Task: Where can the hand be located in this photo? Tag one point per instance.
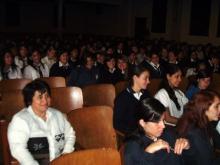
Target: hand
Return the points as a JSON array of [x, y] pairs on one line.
[[180, 145], [158, 145]]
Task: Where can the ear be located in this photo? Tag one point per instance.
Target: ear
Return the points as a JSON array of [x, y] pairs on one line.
[[168, 76], [141, 122]]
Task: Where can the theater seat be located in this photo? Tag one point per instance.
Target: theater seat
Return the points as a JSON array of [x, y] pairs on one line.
[[54, 82], [13, 84]]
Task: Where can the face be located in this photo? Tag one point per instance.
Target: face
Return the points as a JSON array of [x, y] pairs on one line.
[[89, 62], [74, 53], [64, 58], [153, 129], [100, 58], [155, 59], [172, 56], [214, 110], [111, 64], [174, 79], [51, 53], [203, 83], [8, 59], [122, 65], [36, 57], [143, 80], [23, 51], [40, 102]]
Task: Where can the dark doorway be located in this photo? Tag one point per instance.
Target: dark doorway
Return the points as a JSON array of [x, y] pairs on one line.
[[141, 30]]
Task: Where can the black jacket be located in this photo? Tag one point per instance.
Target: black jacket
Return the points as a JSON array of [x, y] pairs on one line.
[[57, 71], [135, 154], [125, 116]]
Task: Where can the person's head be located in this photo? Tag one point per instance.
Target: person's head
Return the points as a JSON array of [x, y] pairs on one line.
[[203, 79], [88, 61], [164, 53], [36, 57], [100, 58], [154, 58], [63, 56], [110, 62], [122, 63], [140, 77], [23, 51], [74, 53], [7, 58], [202, 109], [37, 94], [151, 117], [215, 59], [201, 66], [172, 57], [51, 52], [193, 55], [173, 75]]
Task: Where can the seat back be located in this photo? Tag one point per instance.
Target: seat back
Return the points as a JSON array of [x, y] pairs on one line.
[[154, 85], [99, 94], [93, 127], [13, 84], [120, 86], [66, 99], [55, 82], [90, 157], [12, 102], [184, 84]]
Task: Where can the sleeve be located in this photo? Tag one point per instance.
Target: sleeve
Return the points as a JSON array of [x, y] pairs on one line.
[[163, 97], [18, 135], [70, 137], [73, 77], [28, 73], [53, 70], [134, 154], [46, 70], [218, 127], [19, 73]]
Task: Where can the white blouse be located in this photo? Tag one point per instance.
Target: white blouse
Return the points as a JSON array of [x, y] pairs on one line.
[[13, 74], [164, 98], [32, 73]]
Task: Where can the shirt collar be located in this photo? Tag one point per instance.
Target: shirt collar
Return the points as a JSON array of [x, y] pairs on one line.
[[61, 64], [155, 65], [137, 95], [30, 110]]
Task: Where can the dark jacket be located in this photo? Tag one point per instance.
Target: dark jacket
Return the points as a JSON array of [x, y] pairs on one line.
[[83, 76], [203, 146], [135, 154], [57, 71], [110, 78], [125, 116]]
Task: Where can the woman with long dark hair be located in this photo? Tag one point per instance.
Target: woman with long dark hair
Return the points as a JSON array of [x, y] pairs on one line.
[[170, 96], [8, 68], [126, 103], [152, 144], [195, 124]]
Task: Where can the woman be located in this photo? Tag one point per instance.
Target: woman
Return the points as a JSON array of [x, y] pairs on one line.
[[36, 68], [38, 134], [152, 144], [8, 68], [125, 109], [202, 83], [170, 96], [22, 59], [50, 57], [195, 125]]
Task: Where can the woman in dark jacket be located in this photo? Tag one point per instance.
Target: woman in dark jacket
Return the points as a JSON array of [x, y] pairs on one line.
[[153, 144], [195, 125]]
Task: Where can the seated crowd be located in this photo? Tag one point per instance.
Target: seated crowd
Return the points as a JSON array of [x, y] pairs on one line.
[[172, 127]]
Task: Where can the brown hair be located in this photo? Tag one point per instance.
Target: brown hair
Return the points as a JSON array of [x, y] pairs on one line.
[[194, 112]]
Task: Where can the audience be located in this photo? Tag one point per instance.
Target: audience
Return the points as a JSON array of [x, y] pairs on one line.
[[50, 57]]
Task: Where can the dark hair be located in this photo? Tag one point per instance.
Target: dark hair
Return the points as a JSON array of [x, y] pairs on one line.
[[151, 110], [136, 71], [84, 60], [195, 112], [170, 70], [203, 74], [32, 87]]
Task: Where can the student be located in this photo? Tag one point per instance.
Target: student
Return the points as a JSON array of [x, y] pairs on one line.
[[36, 68], [126, 103], [203, 109], [202, 82], [152, 144], [50, 57], [38, 133], [170, 96], [22, 59], [8, 68]]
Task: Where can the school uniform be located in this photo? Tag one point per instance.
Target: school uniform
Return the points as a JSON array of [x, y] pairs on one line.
[[164, 98], [125, 114], [21, 62], [36, 71], [60, 70], [48, 61], [30, 137], [11, 73], [110, 76]]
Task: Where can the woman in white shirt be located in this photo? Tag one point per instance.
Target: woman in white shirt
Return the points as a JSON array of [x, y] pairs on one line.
[[36, 68], [38, 134], [50, 58], [170, 96], [8, 69]]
